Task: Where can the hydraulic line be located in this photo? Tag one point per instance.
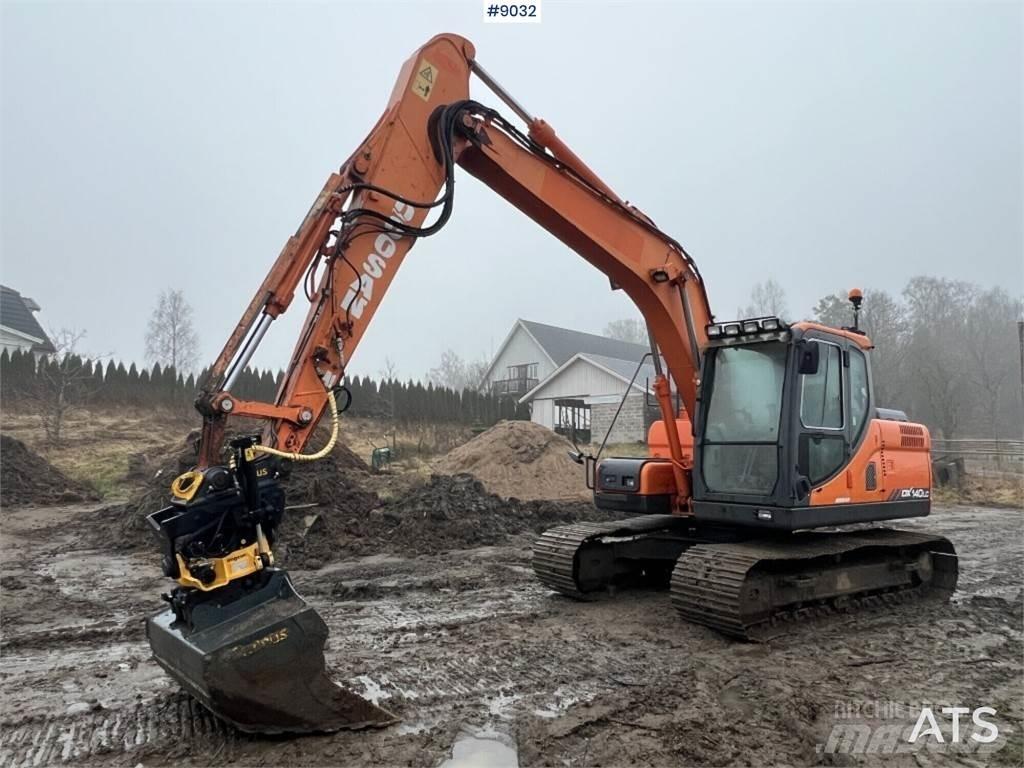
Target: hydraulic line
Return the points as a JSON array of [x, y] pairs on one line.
[[296, 456]]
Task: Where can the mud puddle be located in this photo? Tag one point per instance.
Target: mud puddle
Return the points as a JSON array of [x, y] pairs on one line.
[[483, 749]]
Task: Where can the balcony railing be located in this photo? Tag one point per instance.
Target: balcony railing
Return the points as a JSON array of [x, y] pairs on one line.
[[517, 387]]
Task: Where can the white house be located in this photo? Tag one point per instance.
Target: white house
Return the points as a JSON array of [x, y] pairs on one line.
[[574, 381], [19, 328]]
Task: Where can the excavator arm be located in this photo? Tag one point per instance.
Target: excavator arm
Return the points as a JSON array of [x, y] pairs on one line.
[[350, 245], [236, 634]]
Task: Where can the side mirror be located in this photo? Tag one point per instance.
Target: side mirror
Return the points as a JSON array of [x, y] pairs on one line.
[[810, 356]]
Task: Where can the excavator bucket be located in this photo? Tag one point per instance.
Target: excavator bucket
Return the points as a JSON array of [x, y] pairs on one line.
[[256, 660]]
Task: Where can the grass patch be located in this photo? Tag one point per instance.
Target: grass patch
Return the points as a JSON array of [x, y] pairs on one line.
[[97, 445], [105, 468], [984, 491]]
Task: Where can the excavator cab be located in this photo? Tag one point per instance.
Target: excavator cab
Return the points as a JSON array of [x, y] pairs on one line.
[[790, 436], [787, 435]]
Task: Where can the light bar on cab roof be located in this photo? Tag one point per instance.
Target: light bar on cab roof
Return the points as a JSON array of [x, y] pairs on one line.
[[745, 327]]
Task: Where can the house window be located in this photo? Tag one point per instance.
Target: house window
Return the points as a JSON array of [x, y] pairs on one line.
[[519, 379], [525, 371], [572, 419]]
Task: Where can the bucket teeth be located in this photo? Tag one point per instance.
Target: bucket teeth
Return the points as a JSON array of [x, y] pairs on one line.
[[257, 662]]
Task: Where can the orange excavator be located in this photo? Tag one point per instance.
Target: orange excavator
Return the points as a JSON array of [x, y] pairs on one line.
[[769, 431]]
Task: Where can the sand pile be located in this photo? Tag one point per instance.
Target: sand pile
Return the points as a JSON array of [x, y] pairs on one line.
[[28, 478], [519, 459]]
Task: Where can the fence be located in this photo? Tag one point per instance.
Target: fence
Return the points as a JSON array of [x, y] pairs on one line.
[[982, 456], [992, 448]]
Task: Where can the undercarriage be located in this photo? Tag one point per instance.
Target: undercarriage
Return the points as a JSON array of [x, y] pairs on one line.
[[741, 582]]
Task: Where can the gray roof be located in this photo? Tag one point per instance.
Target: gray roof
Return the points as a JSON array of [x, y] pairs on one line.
[[16, 314], [623, 369], [562, 343], [626, 369]]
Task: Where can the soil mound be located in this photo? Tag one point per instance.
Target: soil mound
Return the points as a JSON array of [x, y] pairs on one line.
[[336, 480], [447, 512], [28, 478], [333, 511], [521, 460]]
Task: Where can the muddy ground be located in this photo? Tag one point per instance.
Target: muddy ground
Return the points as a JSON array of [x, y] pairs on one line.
[[466, 642]]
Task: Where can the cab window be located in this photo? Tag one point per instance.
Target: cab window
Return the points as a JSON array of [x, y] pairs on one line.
[[821, 393], [859, 398]]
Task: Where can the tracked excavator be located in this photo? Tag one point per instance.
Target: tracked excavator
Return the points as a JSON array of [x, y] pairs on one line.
[[769, 436]]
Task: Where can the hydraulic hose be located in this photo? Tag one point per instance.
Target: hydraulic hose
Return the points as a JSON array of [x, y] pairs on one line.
[[333, 404]]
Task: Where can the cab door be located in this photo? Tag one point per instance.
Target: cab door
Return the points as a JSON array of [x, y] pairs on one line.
[[823, 442]]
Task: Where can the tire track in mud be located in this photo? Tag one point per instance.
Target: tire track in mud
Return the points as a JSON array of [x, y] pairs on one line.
[[179, 725], [377, 624], [422, 681], [177, 721], [489, 644]]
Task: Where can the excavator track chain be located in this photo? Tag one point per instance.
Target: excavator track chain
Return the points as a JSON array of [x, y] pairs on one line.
[[757, 590], [578, 560]]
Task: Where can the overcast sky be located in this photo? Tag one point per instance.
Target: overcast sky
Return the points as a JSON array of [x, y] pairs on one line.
[[827, 145]]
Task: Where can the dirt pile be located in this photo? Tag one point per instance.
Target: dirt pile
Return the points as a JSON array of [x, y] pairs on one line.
[[333, 510], [336, 481], [446, 512], [521, 460], [28, 478]]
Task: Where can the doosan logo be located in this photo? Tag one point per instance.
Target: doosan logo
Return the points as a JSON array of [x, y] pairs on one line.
[[384, 247]]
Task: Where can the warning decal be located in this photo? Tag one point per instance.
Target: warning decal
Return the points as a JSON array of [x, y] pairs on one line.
[[426, 78]]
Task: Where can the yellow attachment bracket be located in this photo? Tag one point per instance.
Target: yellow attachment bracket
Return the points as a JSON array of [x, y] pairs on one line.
[[236, 565], [185, 486]]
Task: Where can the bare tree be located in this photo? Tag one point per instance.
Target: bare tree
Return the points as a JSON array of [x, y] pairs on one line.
[[63, 382], [170, 339], [388, 371], [475, 370], [630, 329], [455, 373], [945, 355], [767, 298], [450, 372], [937, 351], [884, 319], [990, 325]]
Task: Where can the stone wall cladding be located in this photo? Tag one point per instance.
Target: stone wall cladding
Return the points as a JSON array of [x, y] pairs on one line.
[[630, 427]]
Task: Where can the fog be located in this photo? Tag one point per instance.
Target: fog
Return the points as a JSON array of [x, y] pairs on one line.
[[149, 146]]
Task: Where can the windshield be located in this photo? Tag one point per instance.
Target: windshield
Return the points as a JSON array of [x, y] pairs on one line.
[[741, 431]]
